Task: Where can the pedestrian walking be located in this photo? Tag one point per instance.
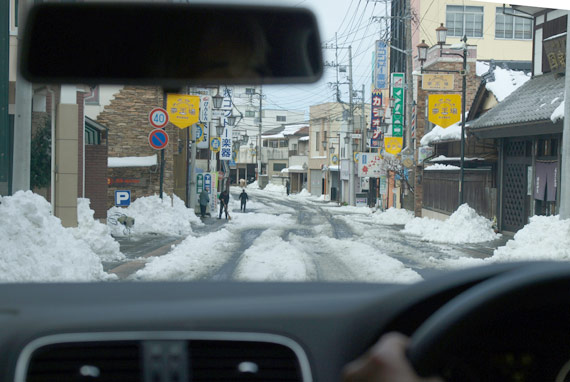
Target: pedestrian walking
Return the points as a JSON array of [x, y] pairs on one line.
[[243, 199], [224, 201], [204, 200], [288, 186]]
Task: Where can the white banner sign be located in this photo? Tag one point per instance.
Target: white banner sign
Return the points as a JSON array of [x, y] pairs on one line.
[[205, 108], [227, 142], [370, 165]]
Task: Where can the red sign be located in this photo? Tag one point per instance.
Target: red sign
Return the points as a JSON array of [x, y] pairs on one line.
[[158, 139], [158, 118]]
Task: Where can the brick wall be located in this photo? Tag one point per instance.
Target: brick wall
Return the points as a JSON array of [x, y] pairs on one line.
[[127, 120], [96, 178]]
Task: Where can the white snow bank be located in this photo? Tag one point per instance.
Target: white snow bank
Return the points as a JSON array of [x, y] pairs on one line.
[[304, 192], [194, 258], [506, 80], [440, 134], [96, 234], [443, 158], [441, 166], [36, 247], [132, 161], [463, 226], [544, 238], [270, 258], [276, 189], [393, 216], [253, 186], [558, 113], [168, 216]]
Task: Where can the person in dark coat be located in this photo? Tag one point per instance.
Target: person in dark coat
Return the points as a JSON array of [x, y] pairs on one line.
[[224, 202], [204, 200], [288, 186], [243, 199]]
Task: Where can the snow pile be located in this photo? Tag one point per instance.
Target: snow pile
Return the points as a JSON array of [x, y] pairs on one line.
[[544, 238], [558, 113], [36, 247], [132, 161], [304, 193], [441, 166], [393, 216], [253, 186], [194, 258], [506, 80], [440, 134], [270, 258], [97, 235], [153, 215], [463, 226], [276, 189]]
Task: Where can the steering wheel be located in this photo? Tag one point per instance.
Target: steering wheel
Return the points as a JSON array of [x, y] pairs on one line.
[[531, 287]]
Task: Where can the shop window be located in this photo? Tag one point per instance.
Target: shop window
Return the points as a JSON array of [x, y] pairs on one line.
[[464, 20]]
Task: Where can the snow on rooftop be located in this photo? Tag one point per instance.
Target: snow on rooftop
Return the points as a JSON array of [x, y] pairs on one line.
[[558, 113], [132, 161], [440, 134], [441, 166], [304, 138], [443, 158], [289, 130], [293, 168], [506, 80]]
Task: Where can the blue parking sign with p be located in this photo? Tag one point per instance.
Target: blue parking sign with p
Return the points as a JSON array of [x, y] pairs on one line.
[[122, 198]]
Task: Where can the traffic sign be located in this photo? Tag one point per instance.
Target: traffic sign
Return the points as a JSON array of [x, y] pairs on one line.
[[122, 198], [158, 139], [158, 118]]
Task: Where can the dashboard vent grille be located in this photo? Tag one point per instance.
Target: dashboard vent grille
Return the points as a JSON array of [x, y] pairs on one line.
[[80, 361], [242, 361]]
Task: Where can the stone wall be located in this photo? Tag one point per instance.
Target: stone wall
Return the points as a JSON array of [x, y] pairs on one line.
[[126, 117]]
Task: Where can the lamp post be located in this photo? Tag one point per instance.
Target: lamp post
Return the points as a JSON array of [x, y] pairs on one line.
[[441, 32]]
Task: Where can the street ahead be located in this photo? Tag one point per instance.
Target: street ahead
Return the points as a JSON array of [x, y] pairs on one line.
[[295, 239]]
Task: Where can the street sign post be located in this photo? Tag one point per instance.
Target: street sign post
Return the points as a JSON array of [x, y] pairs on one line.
[[158, 118], [158, 139], [122, 198]]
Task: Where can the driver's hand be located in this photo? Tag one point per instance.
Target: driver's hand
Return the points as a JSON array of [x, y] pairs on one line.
[[385, 362]]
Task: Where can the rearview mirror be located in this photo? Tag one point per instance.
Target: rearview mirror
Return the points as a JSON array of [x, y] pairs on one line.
[[170, 44]]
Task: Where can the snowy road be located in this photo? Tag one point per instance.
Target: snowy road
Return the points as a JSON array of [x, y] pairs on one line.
[[296, 238]]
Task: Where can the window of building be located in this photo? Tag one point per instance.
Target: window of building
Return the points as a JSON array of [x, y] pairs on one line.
[[265, 143], [283, 143], [317, 140], [277, 167], [250, 114], [281, 118], [249, 91], [508, 26], [464, 20]]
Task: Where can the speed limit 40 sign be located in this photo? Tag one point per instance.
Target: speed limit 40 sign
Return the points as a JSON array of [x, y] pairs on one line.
[[158, 118]]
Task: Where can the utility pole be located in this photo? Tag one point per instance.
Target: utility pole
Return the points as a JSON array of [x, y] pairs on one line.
[[23, 119], [409, 81], [565, 168], [260, 124], [5, 142], [351, 131]]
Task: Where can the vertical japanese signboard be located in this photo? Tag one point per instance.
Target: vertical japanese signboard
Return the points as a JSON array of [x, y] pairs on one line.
[[204, 139], [227, 142], [395, 143], [376, 118], [381, 65], [205, 108]]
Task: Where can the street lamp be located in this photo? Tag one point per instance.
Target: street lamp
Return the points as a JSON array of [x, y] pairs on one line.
[[441, 32], [331, 149], [219, 129], [218, 100], [324, 143], [232, 119], [346, 139]]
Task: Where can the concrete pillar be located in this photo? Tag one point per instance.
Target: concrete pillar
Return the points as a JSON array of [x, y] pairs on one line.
[[66, 157]]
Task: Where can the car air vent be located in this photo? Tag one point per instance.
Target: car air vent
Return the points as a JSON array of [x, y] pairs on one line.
[[242, 361], [86, 361]]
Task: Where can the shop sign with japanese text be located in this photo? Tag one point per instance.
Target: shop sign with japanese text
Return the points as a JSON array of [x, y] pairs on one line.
[[555, 50], [381, 65], [226, 144], [437, 82], [183, 110], [444, 109], [377, 114], [398, 81], [370, 165]]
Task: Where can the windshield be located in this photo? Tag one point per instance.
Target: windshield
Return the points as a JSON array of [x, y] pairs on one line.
[[433, 142]]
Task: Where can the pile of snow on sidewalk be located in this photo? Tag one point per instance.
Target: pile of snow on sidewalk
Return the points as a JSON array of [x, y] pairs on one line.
[[167, 216], [544, 238], [96, 234], [36, 247], [463, 226], [393, 216]]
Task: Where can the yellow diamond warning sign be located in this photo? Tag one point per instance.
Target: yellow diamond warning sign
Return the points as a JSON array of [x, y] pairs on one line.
[[444, 109]]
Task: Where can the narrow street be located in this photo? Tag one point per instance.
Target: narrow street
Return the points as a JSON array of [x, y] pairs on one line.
[[282, 238]]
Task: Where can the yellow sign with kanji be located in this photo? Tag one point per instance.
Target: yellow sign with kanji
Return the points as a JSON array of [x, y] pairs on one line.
[[444, 109], [393, 145], [183, 110]]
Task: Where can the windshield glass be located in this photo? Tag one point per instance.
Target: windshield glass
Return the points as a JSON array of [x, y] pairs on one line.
[[433, 142]]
